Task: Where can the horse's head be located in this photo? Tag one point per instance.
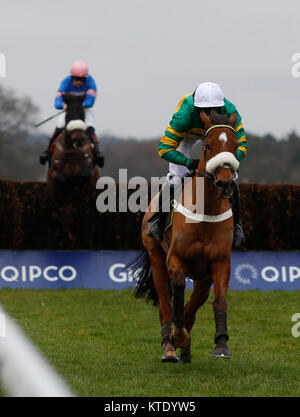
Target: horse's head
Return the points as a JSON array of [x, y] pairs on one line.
[[219, 151], [76, 133], [75, 110], [75, 127]]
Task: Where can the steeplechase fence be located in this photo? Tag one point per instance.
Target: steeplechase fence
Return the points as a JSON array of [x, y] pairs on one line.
[[34, 219]]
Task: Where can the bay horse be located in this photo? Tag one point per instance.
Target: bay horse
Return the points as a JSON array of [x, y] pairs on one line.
[[72, 159], [200, 250]]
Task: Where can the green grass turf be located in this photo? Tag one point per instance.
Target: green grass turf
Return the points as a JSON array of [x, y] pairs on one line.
[[107, 343]]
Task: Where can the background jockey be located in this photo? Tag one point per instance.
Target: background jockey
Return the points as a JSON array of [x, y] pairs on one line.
[[79, 83], [185, 128]]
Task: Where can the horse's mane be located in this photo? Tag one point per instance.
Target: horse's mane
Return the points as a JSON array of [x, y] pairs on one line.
[[218, 119]]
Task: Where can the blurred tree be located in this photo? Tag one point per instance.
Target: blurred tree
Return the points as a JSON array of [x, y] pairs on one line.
[[268, 159], [18, 152], [16, 114]]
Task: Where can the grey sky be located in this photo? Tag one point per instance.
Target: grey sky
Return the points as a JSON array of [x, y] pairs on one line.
[[145, 55]]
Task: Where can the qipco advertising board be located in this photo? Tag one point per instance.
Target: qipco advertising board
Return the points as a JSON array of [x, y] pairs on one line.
[[106, 270]]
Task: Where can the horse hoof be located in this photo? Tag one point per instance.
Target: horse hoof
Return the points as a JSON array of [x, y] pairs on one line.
[[180, 341], [185, 354], [185, 359], [170, 356], [221, 352]]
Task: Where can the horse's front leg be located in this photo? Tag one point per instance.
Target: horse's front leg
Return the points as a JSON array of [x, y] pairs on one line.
[[221, 276], [180, 336], [199, 296]]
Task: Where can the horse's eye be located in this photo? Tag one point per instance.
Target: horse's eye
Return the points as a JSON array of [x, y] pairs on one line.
[[208, 147]]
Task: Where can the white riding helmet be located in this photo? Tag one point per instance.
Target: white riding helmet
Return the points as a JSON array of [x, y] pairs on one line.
[[208, 95]]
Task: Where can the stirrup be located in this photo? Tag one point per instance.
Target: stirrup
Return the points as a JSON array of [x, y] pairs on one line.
[[239, 236], [154, 229]]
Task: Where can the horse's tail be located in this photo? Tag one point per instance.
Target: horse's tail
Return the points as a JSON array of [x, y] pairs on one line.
[[140, 267]]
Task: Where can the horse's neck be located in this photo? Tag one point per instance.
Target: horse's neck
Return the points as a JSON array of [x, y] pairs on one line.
[[67, 141]]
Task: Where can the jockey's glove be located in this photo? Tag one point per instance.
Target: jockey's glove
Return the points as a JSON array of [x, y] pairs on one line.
[[192, 164]]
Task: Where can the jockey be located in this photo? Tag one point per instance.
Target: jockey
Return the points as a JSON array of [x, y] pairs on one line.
[[79, 83], [182, 132]]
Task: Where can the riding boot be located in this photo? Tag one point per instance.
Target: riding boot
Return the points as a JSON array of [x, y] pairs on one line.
[[46, 154], [239, 236], [155, 223], [99, 158]]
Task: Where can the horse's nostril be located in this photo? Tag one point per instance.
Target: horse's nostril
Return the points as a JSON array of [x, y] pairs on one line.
[[225, 188]]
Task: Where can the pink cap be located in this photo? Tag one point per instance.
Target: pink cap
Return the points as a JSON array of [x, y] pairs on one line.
[[79, 69]]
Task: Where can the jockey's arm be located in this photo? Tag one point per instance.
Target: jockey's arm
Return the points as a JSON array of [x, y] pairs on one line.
[[91, 93], [180, 124], [241, 137], [168, 145], [59, 102]]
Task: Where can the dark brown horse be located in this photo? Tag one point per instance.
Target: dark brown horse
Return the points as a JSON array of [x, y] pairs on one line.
[[199, 249], [72, 159]]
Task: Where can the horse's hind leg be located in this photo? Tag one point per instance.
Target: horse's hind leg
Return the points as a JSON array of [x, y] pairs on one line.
[[161, 284], [198, 298]]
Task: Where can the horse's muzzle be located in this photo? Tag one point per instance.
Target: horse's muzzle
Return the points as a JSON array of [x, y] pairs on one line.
[[225, 188]]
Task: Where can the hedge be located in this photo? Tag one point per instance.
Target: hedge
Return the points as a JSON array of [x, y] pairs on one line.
[[32, 218]]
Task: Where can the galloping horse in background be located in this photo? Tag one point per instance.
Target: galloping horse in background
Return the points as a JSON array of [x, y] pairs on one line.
[[72, 159], [200, 250]]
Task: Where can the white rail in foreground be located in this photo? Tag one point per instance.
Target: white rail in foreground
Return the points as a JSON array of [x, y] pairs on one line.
[[23, 370]]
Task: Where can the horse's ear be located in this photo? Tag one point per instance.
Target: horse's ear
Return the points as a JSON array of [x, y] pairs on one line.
[[232, 120], [206, 120]]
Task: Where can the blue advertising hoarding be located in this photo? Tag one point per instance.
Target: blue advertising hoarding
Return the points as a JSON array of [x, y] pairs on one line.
[[104, 270]]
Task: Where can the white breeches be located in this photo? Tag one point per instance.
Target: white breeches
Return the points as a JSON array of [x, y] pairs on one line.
[[176, 172], [89, 119]]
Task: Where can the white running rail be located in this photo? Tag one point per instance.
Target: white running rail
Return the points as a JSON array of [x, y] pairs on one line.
[[23, 370]]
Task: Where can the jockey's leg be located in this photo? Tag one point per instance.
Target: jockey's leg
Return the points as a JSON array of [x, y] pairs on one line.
[[155, 223], [239, 236], [174, 181], [170, 191], [89, 120], [99, 159], [46, 154]]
